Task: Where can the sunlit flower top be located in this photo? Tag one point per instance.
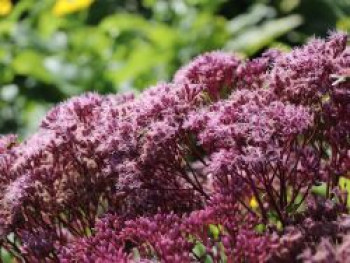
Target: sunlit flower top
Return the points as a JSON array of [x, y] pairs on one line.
[[5, 7], [64, 7]]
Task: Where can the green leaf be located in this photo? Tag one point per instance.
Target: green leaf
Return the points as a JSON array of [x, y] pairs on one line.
[[91, 41], [48, 24], [199, 250], [260, 228], [136, 254], [6, 26], [32, 116], [320, 189], [344, 24], [142, 60], [162, 36], [118, 23], [344, 184], [257, 13], [30, 63], [5, 256], [214, 231], [208, 259], [255, 39]]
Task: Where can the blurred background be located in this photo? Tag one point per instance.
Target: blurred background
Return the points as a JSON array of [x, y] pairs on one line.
[[51, 50]]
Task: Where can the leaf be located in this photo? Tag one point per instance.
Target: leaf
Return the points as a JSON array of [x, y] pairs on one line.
[[48, 24], [214, 231], [32, 116], [30, 63], [5, 256], [344, 184], [115, 24], [6, 27], [141, 61], [260, 228], [257, 13], [208, 259], [255, 39], [163, 36], [344, 24], [320, 190], [199, 250]]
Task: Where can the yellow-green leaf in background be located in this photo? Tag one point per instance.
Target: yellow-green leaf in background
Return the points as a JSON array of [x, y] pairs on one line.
[[214, 230], [118, 23], [256, 38], [199, 250], [30, 63], [344, 24], [344, 184], [320, 189]]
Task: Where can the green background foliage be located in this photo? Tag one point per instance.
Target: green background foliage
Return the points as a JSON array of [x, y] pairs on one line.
[[116, 46]]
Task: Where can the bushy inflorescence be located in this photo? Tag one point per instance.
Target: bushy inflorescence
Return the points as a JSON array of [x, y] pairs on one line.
[[218, 166]]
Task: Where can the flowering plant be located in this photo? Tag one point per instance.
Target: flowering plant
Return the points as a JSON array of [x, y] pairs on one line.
[[234, 161]]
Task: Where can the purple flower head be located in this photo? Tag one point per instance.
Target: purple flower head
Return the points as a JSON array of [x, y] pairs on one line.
[[247, 117], [37, 244], [216, 69], [336, 43], [303, 76], [252, 74], [246, 138], [7, 142], [70, 113]]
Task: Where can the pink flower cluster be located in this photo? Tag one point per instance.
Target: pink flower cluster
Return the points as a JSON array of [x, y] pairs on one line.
[[216, 166]]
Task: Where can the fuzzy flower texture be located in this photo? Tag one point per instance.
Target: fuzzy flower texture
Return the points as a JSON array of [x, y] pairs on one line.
[[234, 161]]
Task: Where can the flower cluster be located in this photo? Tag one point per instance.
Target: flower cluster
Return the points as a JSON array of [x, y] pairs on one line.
[[173, 238], [64, 7], [219, 165], [5, 7]]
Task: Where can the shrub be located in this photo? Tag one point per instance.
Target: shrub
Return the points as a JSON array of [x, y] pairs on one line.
[[221, 165]]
